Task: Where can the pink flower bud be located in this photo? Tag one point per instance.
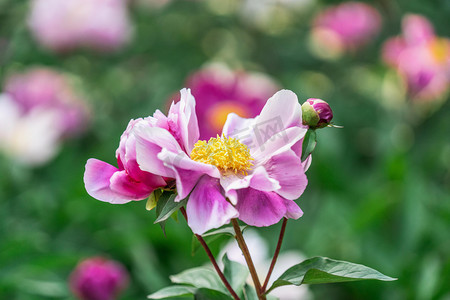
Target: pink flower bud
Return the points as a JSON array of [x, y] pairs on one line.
[[98, 279], [316, 113]]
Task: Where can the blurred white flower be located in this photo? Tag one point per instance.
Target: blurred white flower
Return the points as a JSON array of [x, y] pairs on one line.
[[32, 138], [260, 256]]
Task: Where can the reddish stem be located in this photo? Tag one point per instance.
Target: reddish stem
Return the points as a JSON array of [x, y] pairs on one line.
[[213, 260], [275, 255]]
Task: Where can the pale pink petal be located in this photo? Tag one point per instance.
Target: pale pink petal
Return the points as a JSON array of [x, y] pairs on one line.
[[259, 209], [97, 182], [259, 179], [240, 128], [207, 208], [278, 143], [188, 120], [149, 142], [186, 171], [288, 170], [281, 111], [293, 211]]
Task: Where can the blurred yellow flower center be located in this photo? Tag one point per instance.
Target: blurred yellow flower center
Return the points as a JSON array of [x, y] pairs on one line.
[[227, 154], [218, 114], [439, 49]]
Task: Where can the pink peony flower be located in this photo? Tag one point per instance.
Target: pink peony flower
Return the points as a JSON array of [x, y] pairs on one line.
[[98, 279], [220, 91], [346, 26], [48, 89], [420, 57], [64, 25], [253, 171], [129, 182]]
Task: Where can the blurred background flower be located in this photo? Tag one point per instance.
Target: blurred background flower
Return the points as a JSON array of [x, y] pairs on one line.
[[379, 189], [64, 25], [421, 58], [344, 28], [40, 107], [98, 278], [219, 91]]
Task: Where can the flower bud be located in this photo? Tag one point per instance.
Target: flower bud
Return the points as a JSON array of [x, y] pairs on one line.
[[98, 279], [316, 113]]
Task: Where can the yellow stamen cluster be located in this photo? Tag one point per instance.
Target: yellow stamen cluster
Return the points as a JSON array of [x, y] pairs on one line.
[[227, 154]]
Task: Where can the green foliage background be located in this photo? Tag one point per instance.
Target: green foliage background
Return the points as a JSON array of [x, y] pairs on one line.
[[378, 193]]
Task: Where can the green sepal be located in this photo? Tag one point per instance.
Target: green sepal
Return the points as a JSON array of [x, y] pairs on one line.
[[309, 143]]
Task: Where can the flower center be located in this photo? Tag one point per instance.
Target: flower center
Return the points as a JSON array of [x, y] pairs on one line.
[[227, 154]]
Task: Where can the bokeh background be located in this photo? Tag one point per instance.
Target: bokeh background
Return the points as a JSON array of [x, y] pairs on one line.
[[379, 189]]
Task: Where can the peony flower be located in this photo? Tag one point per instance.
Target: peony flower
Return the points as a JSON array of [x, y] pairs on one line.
[[98, 279], [316, 113], [48, 89], [31, 138], [260, 255], [421, 58], [253, 171], [39, 109], [345, 27], [64, 25], [129, 182], [220, 91]]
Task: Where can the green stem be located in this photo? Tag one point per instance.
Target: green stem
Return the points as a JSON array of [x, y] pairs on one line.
[[248, 259], [275, 255], [213, 260]]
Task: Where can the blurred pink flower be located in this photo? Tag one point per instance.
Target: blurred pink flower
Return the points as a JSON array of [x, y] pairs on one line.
[[98, 279], [219, 91], [253, 171], [39, 109], [346, 26], [48, 89], [64, 25], [420, 57]]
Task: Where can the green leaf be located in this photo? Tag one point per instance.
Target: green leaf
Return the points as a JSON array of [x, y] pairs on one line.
[[200, 277], [167, 206], [235, 273], [325, 270], [209, 294], [309, 143], [173, 291]]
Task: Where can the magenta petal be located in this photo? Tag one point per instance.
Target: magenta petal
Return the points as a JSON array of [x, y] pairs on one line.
[[207, 208], [123, 184], [293, 211], [288, 169], [258, 208], [97, 182]]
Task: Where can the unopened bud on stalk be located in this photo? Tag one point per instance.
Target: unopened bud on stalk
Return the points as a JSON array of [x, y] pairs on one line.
[[316, 113]]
